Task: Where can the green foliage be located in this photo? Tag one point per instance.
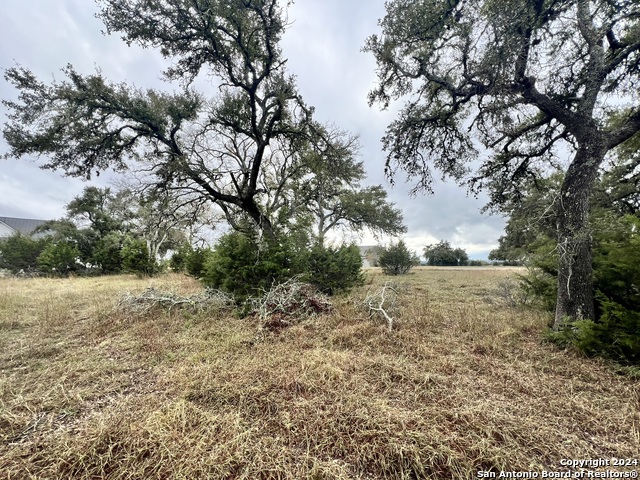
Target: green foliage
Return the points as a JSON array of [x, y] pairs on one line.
[[107, 253], [196, 259], [615, 334], [64, 230], [20, 252], [617, 259], [178, 261], [397, 259], [59, 259], [135, 257], [100, 208], [333, 269], [442, 254], [532, 220], [540, 281], [477, 263], [241, 266]]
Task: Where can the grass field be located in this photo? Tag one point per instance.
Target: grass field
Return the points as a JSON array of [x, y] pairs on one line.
[[462, 384]]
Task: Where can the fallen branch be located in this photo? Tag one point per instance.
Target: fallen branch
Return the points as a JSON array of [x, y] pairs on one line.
[[382, 302], [151, 298], [289, 302]]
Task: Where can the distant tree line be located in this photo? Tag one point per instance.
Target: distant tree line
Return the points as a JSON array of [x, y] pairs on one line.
[[104, 232]]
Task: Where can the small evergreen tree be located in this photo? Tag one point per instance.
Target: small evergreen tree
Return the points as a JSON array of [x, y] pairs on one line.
[[397, 259], [107, 253], [20, 252], [333, 269], [135, 257], [241, 266], [178, 261], [59, 259], [196, 259]]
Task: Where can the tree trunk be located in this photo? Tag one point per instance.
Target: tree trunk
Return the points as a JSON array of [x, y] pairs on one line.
[[575, 270], [262, 221]]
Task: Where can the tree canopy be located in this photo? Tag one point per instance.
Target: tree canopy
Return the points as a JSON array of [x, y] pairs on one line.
[[245, 146], [528, 79], [443, 254], [332, 193], [214, 146]]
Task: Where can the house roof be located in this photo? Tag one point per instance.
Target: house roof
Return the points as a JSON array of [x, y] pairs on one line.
[[25, 226]]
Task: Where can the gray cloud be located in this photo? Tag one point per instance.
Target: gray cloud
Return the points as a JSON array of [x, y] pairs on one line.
[[323, 45]]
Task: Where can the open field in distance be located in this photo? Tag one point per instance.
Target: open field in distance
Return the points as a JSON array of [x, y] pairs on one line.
[[462, 384]]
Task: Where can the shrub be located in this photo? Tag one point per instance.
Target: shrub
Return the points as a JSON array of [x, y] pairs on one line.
[[135, 257], [59, 258], [108, 253], [178, 261], [195, 260], [333, 269], [20, 252], [239, 265], [615, 333], [397, 259]]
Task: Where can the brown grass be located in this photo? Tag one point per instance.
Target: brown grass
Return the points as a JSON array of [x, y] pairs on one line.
[[462, 384]]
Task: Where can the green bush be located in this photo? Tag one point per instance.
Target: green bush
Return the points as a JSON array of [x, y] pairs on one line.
[[107, 253], [616, 261], [333, 269], [615, 334], [195, 260], [178, 261], [20, 252], [59, 259], [241, 266], [135, 257], [397, 259]]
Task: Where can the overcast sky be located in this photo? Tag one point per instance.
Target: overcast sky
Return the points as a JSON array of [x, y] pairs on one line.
[[323, 47]]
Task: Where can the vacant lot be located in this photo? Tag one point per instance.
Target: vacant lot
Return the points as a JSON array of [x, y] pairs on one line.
[[462, 384]]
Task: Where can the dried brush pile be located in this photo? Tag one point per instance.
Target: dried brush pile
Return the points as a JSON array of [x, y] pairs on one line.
[[152, 299], [288, 303]]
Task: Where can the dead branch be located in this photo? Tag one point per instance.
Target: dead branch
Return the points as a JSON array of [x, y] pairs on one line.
[[289, 302], [383, 302], [151, 299]]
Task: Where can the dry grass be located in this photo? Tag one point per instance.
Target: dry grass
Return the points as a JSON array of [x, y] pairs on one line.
[[461, 384]]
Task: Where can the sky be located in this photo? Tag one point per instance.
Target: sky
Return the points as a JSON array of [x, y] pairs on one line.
[[323, 46]]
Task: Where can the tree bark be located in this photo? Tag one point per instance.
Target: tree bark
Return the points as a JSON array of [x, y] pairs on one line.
[[575, 270], [261, 220]]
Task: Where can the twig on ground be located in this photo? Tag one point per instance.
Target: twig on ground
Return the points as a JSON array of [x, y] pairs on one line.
[[375, 302]]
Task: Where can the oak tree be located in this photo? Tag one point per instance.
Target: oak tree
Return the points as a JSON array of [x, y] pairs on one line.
[[333, 194], [533, 81], [214, 146], [443, 254]]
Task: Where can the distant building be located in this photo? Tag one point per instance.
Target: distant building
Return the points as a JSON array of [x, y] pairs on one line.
[[25, 226], [369, 254]]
